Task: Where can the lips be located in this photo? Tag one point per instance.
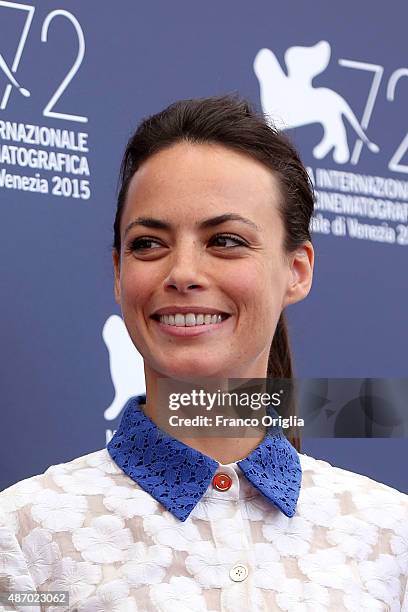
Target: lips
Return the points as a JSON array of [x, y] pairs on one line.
[[188, 309], [224, 316], [187, 331]]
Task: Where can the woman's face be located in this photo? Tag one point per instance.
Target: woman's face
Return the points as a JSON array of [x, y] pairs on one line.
[[177, 251]]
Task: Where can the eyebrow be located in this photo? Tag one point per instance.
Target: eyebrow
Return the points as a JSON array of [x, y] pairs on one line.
[[206, 223]]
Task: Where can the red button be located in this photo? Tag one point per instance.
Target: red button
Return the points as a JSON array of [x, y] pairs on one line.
[[222, 482]]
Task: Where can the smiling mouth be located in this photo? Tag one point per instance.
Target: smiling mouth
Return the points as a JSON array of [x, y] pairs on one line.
[[190, 319]]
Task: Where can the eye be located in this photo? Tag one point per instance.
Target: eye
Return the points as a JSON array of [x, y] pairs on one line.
[[224, 237], [142, 244]]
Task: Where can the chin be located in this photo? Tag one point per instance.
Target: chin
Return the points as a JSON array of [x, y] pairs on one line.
[[192, 370]]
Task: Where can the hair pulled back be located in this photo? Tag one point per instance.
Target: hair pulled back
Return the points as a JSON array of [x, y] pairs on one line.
[[231, 121]]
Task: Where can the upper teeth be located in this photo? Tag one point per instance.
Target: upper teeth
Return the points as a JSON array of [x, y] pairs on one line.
[[190, 319]]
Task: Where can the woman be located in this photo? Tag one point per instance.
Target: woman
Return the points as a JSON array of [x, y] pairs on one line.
[[211, 243]]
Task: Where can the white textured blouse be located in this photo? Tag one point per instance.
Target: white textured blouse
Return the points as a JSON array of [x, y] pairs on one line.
[[89, 528]]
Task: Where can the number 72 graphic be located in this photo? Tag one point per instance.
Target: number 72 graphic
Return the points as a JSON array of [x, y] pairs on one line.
[[10, 71], [395, 161]]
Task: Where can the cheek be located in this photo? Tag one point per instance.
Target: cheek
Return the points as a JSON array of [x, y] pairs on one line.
[[253, 286], [242, 284], [258, 292], [137, 283]]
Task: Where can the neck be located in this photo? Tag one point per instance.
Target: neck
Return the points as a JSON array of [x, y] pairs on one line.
[[224, 449]]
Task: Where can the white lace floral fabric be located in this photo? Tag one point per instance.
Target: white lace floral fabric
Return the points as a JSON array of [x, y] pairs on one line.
[[87, 528]]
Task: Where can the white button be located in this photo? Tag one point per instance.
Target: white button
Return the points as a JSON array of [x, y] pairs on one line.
[[239, 572]]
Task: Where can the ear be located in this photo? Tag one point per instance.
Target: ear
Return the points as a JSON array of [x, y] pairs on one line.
[[301, 264], [116, 271]]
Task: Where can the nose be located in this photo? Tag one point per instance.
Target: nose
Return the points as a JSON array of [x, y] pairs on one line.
[[186, 268]]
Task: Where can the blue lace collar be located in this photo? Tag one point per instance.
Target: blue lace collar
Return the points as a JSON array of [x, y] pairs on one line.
[[177, 475]]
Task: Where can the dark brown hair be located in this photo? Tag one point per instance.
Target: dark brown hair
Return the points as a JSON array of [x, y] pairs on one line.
[[231, 121]]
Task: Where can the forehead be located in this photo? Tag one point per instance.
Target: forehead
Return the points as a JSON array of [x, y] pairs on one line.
[[201, 177]]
